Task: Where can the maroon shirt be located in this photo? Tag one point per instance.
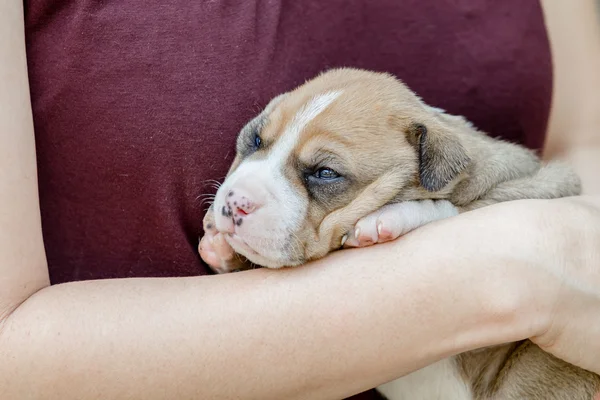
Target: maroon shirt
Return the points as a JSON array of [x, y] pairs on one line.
[[137, 103]]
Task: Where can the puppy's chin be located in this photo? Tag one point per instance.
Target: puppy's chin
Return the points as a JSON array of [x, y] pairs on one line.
[[239, 246]]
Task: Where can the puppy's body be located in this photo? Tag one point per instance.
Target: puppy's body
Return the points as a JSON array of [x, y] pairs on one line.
[[354, 157]]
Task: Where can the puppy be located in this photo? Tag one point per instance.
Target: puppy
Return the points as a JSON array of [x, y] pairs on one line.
[[352, 158]]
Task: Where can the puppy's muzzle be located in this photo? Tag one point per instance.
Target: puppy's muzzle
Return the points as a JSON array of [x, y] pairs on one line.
[[238, 205]]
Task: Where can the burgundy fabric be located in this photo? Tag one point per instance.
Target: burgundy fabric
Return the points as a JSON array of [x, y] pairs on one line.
[[137, 103]]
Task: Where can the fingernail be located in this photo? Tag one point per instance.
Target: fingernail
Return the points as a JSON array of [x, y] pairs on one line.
[[344, 238], [379, 227], [356, 233]]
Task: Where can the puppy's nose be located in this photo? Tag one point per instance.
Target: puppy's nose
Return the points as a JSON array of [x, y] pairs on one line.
[[240, 203]]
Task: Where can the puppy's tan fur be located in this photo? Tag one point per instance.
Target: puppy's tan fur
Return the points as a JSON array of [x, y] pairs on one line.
[[394, 148]]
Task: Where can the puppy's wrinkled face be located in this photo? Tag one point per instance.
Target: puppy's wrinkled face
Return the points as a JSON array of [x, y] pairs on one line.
[[315, 161]]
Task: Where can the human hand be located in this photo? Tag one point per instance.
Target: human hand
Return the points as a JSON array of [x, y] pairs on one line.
[[542, 257], [572, 332]]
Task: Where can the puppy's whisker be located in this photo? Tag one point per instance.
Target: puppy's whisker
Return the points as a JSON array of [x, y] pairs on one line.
[[205, 196], [207, 201], [214, 181]]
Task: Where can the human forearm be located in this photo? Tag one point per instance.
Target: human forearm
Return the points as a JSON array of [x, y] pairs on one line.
[[22, 260], [326, 330]]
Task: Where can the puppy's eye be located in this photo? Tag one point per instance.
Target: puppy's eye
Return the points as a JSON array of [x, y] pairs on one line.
[[326, 174], [257, 141], [325, 184]]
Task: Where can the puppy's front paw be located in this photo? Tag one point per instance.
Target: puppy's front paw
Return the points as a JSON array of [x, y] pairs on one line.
[[215, 251], [393, 220]]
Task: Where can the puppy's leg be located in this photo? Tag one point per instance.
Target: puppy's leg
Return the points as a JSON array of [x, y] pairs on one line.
[[216, 252], [551, 181], [439, 381], [523, 371], [394, 220]]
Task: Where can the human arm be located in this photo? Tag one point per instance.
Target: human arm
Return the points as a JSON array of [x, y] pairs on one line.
[[23, 268], [326, 330], [300, 322], [259, 334]]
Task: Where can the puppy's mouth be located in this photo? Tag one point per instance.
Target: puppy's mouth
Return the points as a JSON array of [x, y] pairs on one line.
[[240, 246]]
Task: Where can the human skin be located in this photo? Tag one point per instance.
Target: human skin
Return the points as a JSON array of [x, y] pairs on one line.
[[336, 326]]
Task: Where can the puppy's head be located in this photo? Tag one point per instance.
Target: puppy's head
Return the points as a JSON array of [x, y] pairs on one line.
[[322, 156]]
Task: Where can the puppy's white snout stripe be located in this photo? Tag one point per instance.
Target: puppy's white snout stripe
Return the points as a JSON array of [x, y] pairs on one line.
[[291, 136]]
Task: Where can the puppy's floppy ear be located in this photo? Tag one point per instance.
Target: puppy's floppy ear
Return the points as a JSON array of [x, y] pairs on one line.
[[441, 155]]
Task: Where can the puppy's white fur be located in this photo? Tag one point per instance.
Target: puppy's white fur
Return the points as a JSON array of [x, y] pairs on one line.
[[439, 381], [398, 219]]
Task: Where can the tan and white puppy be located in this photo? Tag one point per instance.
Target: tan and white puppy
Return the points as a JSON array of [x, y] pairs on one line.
[[353, 158]]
